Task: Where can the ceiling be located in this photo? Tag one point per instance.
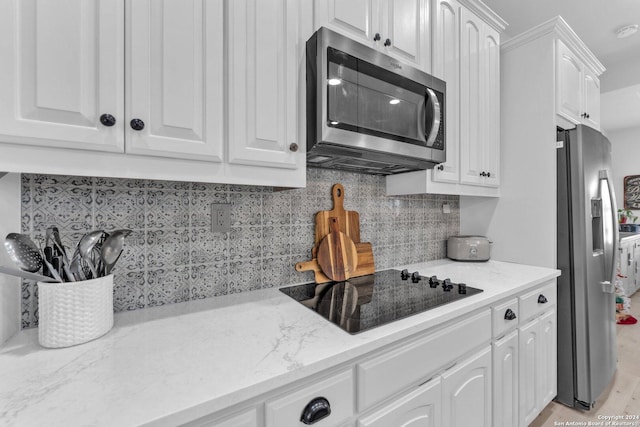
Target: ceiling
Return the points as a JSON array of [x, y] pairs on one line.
[[594, 21]]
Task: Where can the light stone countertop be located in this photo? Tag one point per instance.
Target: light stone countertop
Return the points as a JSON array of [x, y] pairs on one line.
[[173, 364]]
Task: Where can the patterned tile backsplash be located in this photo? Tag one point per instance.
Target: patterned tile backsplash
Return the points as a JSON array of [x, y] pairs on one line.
[[172, 255]]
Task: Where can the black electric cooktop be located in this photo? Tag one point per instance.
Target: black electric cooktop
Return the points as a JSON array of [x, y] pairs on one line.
[[365, 302]]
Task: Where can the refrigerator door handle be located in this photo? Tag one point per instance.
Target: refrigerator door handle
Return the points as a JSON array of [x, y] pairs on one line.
[[610, 239]]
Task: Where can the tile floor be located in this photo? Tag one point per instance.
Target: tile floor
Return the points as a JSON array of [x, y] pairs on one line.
[[622, 397]]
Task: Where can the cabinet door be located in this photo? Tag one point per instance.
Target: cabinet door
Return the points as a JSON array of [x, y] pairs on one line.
[[420, 408], [569, 84], [547, 359], [471, 93], [505, 381], [528, 378], [446, 61], [466, 392], [404, 24], [62, 68], [175, 78], [263, 83], [353, 18], [591, 99], [490, 81]]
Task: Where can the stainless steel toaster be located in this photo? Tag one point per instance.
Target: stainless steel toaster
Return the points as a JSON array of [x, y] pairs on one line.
[[468, 248]]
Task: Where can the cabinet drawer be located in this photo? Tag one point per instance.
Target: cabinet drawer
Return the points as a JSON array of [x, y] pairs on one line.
[[532, 303], [504, 320], [385, 375], [337, 390]]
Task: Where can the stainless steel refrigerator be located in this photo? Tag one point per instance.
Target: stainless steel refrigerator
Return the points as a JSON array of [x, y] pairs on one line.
[[587, 247]]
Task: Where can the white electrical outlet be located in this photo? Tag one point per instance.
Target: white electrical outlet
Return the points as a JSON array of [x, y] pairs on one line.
[[446, 208], [220, 217]]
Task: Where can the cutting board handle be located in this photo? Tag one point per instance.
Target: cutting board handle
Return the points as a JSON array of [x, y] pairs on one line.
[[337, 191]]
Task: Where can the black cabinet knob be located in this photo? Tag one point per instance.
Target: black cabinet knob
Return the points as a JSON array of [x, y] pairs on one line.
[[440, 167], [316, 410], [387, 42], [293, 147], [509, 315], [433, 282], [137, 124], [542, 299], [488, 174], [107, 120], [376, 37], [588, 115]]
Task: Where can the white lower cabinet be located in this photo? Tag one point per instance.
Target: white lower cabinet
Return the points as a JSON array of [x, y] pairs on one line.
[[466, 392], [420, 408], [524, 359], [505, 381], [547, 358], [495, 367], [528, 345], [537, 370]]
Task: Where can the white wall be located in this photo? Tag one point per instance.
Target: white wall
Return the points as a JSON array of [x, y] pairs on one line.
[[625, 158], [522, 222], [10, 205]]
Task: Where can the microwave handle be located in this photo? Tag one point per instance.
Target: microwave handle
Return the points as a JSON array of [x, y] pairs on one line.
[[435, 126]]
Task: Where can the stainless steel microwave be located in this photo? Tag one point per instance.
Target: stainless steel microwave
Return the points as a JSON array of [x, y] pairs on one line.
[[368, 112]]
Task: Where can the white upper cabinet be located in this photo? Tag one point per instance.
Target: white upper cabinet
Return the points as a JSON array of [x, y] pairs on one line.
[[175, 78], [265, 51], [479, 102], [405, 30], [578, 88], [353, 18], [62, 69], [471, 93], [399, 28], [466, 55], [191, 90], [446, 66], [591, 102]]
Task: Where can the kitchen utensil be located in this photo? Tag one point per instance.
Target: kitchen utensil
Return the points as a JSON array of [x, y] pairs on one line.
[[25, 274], [85, 246], [349, 221], [364, 267], [337, 254], [112, 249], [54, 268], [57, 250], [76, 269], [23, 252]]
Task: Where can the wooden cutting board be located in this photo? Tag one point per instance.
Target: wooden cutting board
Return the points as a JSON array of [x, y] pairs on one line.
[[348, 221], [337, 255], [365, 266]]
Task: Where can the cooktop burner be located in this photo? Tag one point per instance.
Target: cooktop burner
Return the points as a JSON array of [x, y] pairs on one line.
[[365, 302]]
